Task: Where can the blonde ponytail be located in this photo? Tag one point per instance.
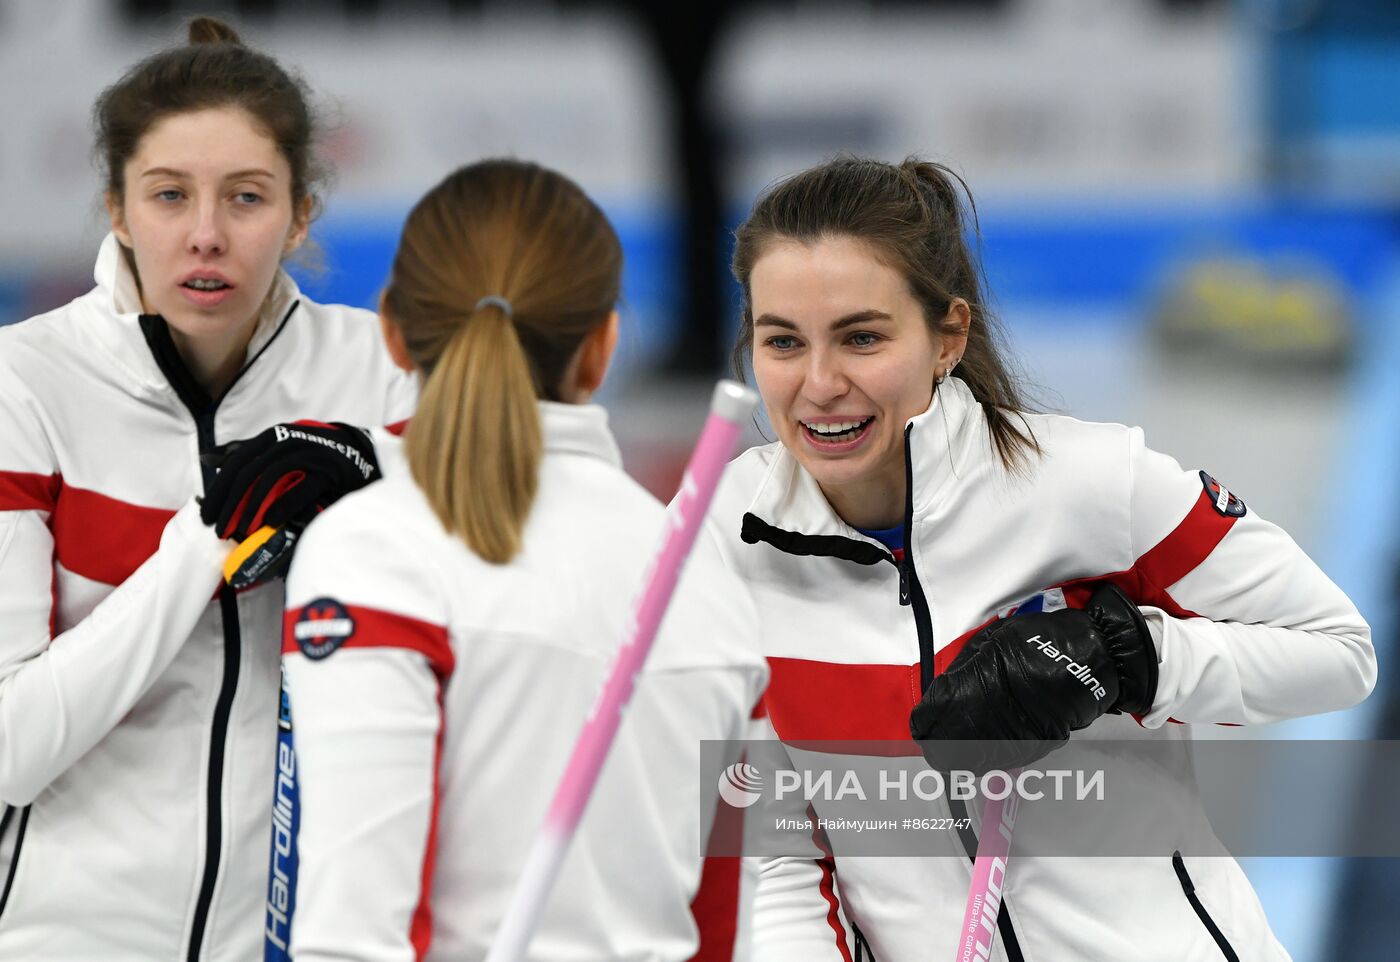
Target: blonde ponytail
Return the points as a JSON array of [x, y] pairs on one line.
[[502, 271], [474, 446]]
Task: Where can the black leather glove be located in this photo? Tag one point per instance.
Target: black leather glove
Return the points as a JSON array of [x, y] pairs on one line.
[[284, 476], [1029, 680]]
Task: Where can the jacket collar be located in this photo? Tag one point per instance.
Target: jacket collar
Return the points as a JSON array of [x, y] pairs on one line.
[[118, 298], [791, 513], [578, 429]]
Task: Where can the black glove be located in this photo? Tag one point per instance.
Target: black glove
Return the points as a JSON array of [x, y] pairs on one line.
[[1029, 680], [284, 476]]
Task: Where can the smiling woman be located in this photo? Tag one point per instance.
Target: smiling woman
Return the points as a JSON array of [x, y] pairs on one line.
[[137, 715], [910, 504], [846, 368]]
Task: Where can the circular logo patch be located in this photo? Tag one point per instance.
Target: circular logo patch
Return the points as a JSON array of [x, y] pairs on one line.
[[323, 627], [1221, 499]]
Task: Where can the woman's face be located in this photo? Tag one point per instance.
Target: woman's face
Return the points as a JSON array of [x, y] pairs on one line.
[[843, 358], [208, 214]]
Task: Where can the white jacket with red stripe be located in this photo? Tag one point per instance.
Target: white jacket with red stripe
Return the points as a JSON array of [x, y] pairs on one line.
[[1247, 629], [137, 716], [436, 698]]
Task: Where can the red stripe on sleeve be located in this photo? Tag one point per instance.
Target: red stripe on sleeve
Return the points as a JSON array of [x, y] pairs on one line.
[[421, 930], [398, 427], [1164, 564], [715, 907], [1188, 544], [374, 628], [20, 491], [1146, 582], [1179, 553], [820, 701], [102, 538]]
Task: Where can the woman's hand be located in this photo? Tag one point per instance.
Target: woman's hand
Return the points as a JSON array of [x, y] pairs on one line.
[[284, 476], [1032, 679]]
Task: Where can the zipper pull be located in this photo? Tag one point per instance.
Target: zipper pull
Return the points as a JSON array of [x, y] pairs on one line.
[[904, 582]]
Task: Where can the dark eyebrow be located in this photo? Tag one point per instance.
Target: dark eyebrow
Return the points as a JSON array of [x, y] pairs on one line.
[[859, 317], [236, 175], [251, 172], [163, 172]]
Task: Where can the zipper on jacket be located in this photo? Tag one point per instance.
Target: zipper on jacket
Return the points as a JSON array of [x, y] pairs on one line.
[[214, 787], [863, 953], [218, 729], [909, 579], [14, 855], [909, 585], [1189, 888], [202, 408]]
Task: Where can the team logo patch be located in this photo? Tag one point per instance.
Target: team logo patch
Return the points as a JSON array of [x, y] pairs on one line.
[[1221, 499], [323, 627]]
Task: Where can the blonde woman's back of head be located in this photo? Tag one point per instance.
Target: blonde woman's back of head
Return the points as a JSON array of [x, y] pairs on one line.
[[502, 271]]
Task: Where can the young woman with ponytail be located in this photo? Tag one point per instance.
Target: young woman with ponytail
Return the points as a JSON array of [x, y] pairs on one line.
[[139, 694], [911, 501], [448, 628]]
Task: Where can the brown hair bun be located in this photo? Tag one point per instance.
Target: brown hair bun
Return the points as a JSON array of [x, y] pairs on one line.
[[210, 30]]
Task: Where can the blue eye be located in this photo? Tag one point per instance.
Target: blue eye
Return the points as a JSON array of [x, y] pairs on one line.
[[864, 339], [781, 342], [248, 197], [169, 195]]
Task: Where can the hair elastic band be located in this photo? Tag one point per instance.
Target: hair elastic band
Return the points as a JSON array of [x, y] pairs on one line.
[[495, 300]]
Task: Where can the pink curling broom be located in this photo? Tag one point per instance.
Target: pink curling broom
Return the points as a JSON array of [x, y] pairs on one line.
[[979, 928], [730, 405]]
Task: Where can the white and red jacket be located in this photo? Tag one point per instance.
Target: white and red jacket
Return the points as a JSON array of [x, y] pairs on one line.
[[436, 698], [138, 711], [1247, 630]]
